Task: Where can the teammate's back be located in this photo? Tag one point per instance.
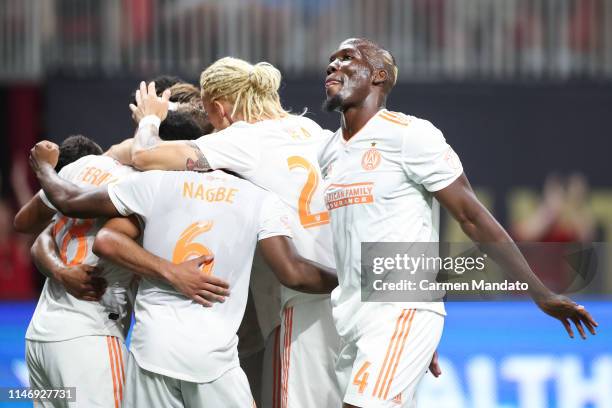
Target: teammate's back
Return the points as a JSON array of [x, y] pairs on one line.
[[186, 215], [60, 316], [281, 156]]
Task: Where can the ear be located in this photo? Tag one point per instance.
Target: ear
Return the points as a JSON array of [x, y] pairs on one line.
[[225, 110], [380, 77], [219, 108]]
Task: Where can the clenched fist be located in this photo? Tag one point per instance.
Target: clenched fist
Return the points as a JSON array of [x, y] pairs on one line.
[[44, 152]]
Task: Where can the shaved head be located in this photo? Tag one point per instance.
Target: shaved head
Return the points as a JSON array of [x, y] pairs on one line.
[[378, 58]]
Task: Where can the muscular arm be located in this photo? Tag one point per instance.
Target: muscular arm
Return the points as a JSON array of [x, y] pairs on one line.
[[121, 152], [116, 242], [45, 256], [33, 217], [478, 224], [171, 155], [72, 200], [294, 271], [481, 227], [79, 280]]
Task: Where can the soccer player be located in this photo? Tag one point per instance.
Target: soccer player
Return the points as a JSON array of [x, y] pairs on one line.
[[263, 143], [185, 355], [76, 336], [395, 167]]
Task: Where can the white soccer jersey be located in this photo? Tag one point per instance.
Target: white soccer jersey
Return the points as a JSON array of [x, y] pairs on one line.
[[189, 214], [379, 188], [60, 316], [281, 156]]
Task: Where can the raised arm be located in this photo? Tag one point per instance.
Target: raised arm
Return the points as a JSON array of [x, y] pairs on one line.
[[478, 224], [149, 152], [69, 199], [292, 270], [116, 242], [81, 281]]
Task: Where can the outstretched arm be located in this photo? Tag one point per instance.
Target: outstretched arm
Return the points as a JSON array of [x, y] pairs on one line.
[[292, 270], [81, 281], [69, 199], [478, 223], [116, 242]]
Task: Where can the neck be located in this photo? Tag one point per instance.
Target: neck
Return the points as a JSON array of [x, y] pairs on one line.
[[354, 118]]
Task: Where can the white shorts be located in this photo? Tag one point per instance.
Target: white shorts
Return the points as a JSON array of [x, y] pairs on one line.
[[145, 389], [384, 364], [309, 346], [92, 364]]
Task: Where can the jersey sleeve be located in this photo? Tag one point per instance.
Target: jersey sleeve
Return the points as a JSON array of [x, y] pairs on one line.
[[427, 158], [136, 193], [274, 218], [236, 149]]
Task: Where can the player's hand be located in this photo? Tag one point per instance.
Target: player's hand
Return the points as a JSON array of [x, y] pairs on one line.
[[148, 103], [189, 279], [137, 113], [568, 312], [44, 152], [83, 282], [434, 367]]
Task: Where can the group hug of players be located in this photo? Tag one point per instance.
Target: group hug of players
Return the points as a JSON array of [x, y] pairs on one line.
[[166, 224]]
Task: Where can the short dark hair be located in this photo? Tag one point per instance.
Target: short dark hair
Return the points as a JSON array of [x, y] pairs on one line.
[[187, 123], [379, 58], [74, 147]]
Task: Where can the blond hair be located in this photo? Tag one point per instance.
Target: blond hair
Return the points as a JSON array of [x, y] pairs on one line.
[[251, 89]]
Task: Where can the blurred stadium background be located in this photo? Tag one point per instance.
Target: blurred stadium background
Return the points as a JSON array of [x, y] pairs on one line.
[[521, 88]]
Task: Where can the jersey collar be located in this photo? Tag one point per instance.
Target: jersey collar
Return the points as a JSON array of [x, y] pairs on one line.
[[361, 131]]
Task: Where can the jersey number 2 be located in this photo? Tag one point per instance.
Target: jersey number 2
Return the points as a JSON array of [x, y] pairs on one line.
[[185, 249], [308, 219]]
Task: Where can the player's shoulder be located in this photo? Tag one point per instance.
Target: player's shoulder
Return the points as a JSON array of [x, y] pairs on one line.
[[396, 120], [409, 126], [228, 179], [309, 127], [71, 168]]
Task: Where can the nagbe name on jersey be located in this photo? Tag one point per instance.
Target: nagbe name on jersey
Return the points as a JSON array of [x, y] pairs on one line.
[[340, 195], [212, 194]]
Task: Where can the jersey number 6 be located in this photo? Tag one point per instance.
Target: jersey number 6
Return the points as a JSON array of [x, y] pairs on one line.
[[307, 219], [185, 249]]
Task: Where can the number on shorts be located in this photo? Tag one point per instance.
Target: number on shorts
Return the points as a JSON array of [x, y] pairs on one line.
[[185, 249], [308, 219], [361, 378], [77, 230]]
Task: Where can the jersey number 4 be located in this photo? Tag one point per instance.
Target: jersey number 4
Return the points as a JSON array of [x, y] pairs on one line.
[[185, 249], [308, 219]]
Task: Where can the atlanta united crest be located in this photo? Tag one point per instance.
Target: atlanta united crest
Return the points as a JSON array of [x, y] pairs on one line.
[[371, 158]]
